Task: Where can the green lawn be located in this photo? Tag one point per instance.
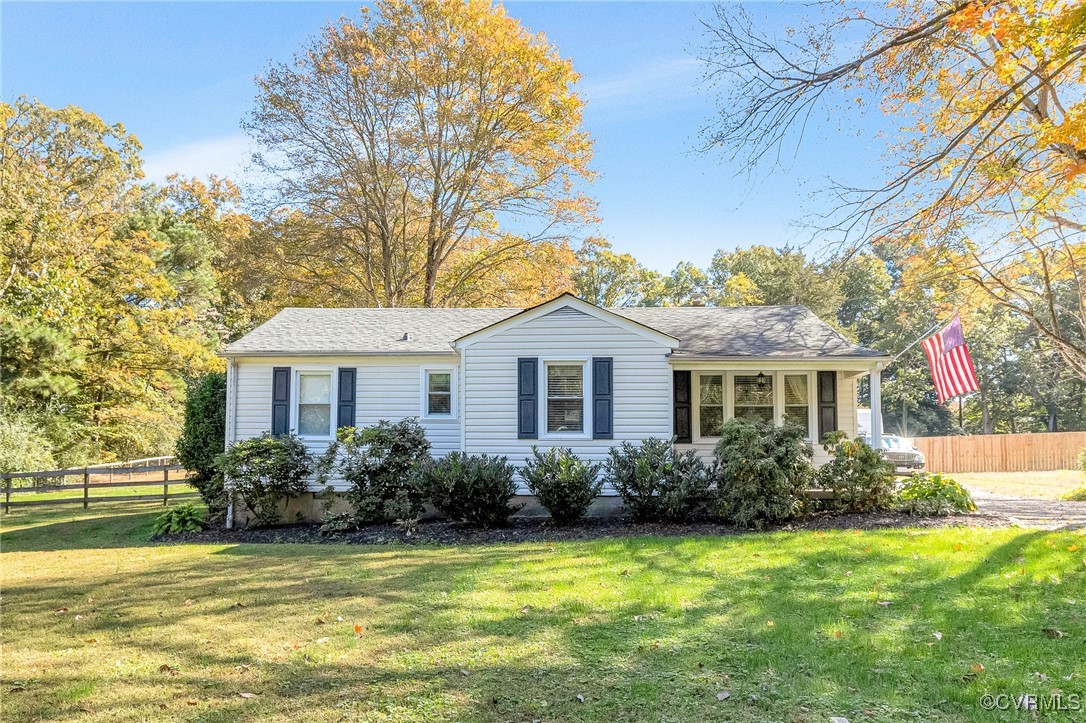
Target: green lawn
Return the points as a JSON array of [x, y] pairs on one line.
[[100, 625]]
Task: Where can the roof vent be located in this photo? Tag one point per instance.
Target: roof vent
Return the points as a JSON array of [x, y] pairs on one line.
[[405, 337]]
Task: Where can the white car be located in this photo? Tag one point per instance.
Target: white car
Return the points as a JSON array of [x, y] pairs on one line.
[[901, 452]]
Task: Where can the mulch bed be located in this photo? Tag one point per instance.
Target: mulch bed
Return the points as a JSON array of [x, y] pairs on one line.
[[536, 529]]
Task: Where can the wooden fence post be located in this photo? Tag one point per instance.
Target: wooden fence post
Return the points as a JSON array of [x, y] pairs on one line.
[[7, 495], [86, 487], [165, 486]]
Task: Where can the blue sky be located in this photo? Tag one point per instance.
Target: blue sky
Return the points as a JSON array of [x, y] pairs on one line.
[[179, 76]]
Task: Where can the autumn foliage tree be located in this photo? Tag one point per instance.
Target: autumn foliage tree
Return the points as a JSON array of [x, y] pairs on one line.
[[985, 174], [104, 292], [428, 146]]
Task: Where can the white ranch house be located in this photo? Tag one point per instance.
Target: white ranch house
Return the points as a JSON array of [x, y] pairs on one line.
[[564, 373]]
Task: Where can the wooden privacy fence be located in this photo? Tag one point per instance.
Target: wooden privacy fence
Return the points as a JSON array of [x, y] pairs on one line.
[[1002, 452], [161, 475]]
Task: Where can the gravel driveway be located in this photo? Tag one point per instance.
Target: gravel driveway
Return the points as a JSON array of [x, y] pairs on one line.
[[1027, 512]]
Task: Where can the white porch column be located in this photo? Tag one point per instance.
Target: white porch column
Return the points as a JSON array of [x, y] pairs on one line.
[[876, 406]]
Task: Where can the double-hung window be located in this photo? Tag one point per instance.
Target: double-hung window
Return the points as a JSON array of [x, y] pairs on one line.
[[754, 397], [710, 404], [797, 402], [315, 404], [565, 397], [439, 393]]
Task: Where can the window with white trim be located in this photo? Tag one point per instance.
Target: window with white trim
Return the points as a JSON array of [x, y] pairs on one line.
[[439, 393], [314, 411], [753, 397], [565, 397], [710, 404], [797, 402]]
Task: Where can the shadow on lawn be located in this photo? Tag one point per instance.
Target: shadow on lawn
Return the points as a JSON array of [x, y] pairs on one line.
[[643, 628], [101, 526]]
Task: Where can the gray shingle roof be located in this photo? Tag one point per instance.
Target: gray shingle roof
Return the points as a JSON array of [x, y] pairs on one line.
[[772, 331], [760, 331]]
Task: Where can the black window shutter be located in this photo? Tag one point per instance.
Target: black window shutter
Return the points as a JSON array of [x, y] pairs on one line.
[[346, 404], [827, 403], [681, 406], [280, 422], [603, 425], [527, 398]]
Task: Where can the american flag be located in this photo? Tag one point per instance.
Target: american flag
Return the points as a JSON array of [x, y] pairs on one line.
[[951, 366]]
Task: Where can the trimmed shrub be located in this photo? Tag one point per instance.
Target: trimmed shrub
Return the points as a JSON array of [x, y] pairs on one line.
[[762, 471], [471, 488], [185, 517], [861, 479], [563, 482], [1082, 459], [926, 494], [658, 483], [203, 438], [378, 463], [265, 471]]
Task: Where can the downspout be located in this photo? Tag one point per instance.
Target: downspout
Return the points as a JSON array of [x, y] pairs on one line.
[[231, 429]]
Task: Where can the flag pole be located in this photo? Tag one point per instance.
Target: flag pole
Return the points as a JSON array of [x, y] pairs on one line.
[[921, 338]]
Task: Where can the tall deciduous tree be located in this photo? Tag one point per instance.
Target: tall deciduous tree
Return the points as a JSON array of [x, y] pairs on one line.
[[989, 163], [424, 143], [103, 289], [608, 279]]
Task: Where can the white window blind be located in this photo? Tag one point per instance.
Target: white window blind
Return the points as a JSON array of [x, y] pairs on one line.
[[565, 398], [754, 398]]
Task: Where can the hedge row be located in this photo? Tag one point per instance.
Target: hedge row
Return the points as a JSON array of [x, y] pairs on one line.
[[759, 476]]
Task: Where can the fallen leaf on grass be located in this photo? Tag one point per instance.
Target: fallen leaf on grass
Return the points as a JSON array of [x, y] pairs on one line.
[[724, 695], [60, 611], [243, 668], [190, 702], [884, 603], [464, 672], [838, 719], [166, 668], [246, 695], [770, 624], [1053, 633], [78, 617], [322, 640], [938, 635], [580, 699], [91, 640], [320, 621], [1072, 548], [188, 602]]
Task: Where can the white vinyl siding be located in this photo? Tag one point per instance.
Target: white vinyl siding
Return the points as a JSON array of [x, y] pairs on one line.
[[385, 388], [641, 384]]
